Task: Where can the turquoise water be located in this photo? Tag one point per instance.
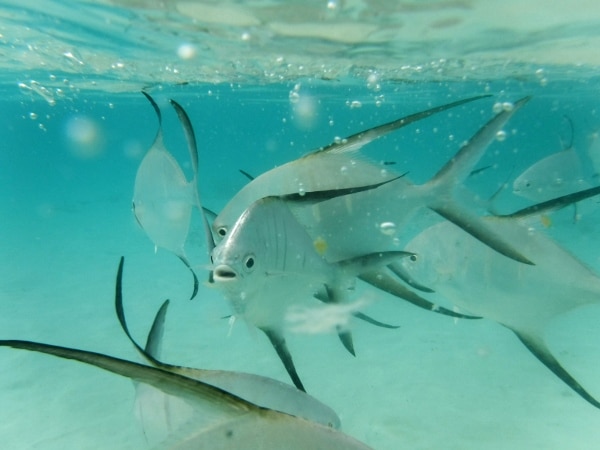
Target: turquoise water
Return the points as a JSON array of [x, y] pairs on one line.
[[259, 94]]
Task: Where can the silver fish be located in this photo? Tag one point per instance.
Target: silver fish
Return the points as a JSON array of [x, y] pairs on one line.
[[558, 174], [163, 198], [221, 420], [268, 263], [325, 169], [339, 167], [521, 297], [262, 391]]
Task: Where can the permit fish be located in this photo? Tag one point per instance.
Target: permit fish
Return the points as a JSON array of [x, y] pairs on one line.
[[163, 198], [386, 217], [262, 391], [558, 174], [220, 419], [326, 169], [339, 166], [521, 297], [267, 263]]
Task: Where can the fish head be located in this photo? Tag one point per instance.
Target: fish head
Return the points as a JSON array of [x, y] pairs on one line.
[[432, 260], [264, 254], [531, 186], [553, 176]]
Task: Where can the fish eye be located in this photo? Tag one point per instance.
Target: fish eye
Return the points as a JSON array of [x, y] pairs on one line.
[[413, 258], [222, 231], [249, 262], [527, 184]]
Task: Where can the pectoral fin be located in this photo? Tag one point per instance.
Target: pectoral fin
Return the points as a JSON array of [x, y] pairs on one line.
[[401, 273], [538, 348], [364, 263], [280, 346]]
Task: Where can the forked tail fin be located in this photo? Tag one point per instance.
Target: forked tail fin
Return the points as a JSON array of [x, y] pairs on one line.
[[457, 170]]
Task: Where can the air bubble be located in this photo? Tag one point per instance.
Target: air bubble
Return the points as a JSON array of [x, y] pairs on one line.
[[501, 135], [497, 108], [387, 228], [33, 116], [186, 51], [508, 106]]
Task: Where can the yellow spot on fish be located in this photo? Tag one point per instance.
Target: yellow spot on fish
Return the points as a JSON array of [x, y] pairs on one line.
[[546, 221], [320, 245]]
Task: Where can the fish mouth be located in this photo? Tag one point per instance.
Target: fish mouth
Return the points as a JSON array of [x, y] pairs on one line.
[[223, 273]]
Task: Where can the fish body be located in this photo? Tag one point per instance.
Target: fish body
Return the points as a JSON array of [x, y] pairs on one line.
[[358, 224], [220, 419], [387, 217], [522, 297], [163, 198], [336, 166], [268, 263], [269, 255], [558, 174]]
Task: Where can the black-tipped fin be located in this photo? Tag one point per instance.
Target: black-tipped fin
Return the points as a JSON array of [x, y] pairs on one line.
[[373, 321], [346, 339], [320, 196], [389, 284], [539, 349], [401, 273], [193, 150], [552, 204], [357, 141], [280, 346], [196, 283]]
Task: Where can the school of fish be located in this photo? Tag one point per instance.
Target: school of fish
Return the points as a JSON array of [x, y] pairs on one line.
[[295, 241]]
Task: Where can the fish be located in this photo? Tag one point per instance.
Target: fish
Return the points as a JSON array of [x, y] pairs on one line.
[[557, 174], [523, 298], [163, 198], [268, 263], [262, 391], [307, 173], [340, 166], [221, 420]]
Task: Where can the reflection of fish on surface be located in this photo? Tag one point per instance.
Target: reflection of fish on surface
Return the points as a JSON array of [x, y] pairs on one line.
[[163, 199], [214, 417], [267, 264], [521, 297]]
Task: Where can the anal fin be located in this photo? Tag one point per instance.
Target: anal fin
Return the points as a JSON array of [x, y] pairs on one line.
[[280, 346], [538, 348], [346, 338]]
